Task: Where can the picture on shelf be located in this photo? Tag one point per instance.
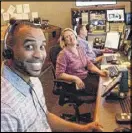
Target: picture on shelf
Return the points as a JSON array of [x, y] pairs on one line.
[[115, 15]]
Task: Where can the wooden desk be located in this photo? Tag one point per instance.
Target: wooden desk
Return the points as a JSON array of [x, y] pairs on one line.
[[105, 112]]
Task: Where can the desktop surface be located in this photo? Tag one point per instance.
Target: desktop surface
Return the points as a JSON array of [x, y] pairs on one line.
[[105, 112]]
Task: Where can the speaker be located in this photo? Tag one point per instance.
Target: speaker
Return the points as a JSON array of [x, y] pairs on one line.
[[7, 53]]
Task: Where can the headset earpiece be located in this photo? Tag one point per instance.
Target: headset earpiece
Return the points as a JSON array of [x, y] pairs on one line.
[[7, 53]]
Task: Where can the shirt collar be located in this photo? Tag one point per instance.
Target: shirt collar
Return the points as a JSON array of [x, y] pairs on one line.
[[16, 81]]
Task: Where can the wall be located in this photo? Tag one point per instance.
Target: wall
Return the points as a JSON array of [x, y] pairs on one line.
[[58, 13]]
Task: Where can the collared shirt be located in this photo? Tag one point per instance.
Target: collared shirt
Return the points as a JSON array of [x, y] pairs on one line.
[[90, 52], [23, 107], [70, 63]]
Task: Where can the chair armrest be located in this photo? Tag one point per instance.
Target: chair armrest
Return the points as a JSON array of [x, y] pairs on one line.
[[62, 81]]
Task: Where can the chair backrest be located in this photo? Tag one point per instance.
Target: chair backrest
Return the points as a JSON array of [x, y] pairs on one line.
[[53, 53]]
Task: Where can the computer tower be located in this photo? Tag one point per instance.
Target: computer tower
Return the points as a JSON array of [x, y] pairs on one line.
[[123, 86]]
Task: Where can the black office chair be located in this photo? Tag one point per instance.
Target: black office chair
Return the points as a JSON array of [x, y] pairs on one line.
[[62, 88]]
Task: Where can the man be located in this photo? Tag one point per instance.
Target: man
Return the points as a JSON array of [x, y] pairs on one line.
[[23, 107], [91, 52]]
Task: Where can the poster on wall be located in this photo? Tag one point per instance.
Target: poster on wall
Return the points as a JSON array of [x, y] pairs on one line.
[[26, 8], [19, 9], [6, 16], [11, 9]]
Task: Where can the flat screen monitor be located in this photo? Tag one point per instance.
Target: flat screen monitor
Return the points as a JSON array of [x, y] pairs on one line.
[[93, 2], [112, 85], [117, 15], [112, 40]]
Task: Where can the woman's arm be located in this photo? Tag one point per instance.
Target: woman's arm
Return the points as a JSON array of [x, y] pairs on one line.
[[72, 78], [93, 68]]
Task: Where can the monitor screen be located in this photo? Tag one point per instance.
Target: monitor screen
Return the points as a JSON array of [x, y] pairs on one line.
[[112, 40], [116, 15], [112, 85], [93, 2]]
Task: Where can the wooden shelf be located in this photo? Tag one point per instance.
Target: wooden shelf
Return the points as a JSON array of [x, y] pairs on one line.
[[100, 7]]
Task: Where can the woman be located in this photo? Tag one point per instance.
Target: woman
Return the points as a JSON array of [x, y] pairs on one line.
[[73, 64]]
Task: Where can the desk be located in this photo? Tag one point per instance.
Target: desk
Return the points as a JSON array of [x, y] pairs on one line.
[[105, 112]]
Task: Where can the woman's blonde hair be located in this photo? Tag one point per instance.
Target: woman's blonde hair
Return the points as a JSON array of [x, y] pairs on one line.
[[62, 39]]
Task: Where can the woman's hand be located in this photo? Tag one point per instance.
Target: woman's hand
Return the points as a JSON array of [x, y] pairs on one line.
[[99, 58], [80, 84], [104, 73]]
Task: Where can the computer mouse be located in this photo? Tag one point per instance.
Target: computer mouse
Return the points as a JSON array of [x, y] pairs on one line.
[[122, 129]]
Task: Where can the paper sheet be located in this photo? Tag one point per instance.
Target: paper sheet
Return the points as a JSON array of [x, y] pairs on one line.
[[19, 8], [34, 15], [110, 42], [19, 16], [26, 8], [2, 10], [11, 9], [6, 16], [14, 15], [84, 18], [25, 16]]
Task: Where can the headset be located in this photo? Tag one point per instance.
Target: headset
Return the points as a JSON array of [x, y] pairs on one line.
[[8, 52]]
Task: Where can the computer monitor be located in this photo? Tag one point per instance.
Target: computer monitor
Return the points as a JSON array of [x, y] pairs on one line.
[[117, 15], [112, 85], [112, 40]]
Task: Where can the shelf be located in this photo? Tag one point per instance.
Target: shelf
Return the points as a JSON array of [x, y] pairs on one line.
[[97, 33], [98, 25], [98, 19]]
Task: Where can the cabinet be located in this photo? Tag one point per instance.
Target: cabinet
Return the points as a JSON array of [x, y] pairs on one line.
[[52, 34], [97, 20], [96, 15]]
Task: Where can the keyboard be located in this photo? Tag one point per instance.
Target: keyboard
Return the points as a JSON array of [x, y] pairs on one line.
[[111, 58], [126, 105], [113, 71]]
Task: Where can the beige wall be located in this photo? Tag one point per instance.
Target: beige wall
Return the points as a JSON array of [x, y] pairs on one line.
[[58, 13]]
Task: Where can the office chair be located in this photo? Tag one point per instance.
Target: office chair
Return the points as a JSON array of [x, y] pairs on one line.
[[74, 98]]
